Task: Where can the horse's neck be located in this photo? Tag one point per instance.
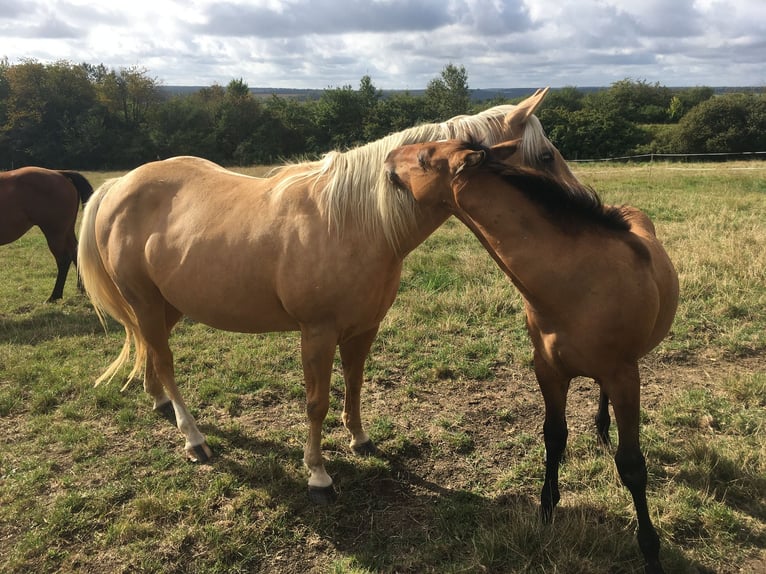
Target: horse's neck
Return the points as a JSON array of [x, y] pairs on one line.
[[428, 220], [513, 229]]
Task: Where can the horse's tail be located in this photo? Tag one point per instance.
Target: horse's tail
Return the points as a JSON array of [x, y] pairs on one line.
[[83, 186], [104, 294]]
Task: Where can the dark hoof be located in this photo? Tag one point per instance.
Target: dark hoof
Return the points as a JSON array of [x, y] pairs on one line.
[[654, 568], [365, 449], [167, 412], [322, 495], [199, 453]]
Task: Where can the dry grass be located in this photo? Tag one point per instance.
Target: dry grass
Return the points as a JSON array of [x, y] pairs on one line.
[[92, 481]]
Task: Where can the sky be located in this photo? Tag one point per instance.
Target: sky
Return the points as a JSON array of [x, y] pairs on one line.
[[399, 44]]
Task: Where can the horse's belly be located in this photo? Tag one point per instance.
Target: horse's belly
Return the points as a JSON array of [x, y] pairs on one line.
[[244, 308], [242, 321]]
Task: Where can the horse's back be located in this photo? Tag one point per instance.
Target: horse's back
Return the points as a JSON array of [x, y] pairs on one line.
[[210, 240], [32, 196]]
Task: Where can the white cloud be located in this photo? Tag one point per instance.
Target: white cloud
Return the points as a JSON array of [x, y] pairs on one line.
[[399, 43]]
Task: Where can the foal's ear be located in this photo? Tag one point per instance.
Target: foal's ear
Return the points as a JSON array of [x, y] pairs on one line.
[[470, 159]]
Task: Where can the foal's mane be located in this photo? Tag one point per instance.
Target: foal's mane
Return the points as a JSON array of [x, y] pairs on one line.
[[565, 202], [352, 185]]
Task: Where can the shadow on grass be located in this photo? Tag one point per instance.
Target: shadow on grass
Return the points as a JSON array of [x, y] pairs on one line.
[[390, 518], [32, 325]]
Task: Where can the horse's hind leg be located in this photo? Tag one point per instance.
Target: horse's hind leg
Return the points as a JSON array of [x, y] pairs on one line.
[[62, 265], [624, 392], [554, 387], [64, 251], [603, 422], [155, 330], [353, 354], [152, 384]]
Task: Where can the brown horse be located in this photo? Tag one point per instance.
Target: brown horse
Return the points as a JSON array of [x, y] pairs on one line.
[[49, 199], [318, 247], [599, 289]]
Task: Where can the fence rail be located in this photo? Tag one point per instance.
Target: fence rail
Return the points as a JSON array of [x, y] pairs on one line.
[[722, 156]]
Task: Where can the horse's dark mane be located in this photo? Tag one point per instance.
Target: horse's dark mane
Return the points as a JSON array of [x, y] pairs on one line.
[[562, 201]]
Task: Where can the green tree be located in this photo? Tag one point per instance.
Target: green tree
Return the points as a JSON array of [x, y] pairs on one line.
[[237, 123], [290, 131], [636, 101], [590, 134], [448, 95], [46, 110], [731, 123], [568, 98], [127, 98], [396, 113], [345, 117], [186, 125]]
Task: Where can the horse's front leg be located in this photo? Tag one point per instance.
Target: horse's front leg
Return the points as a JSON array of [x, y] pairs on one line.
[[353, 354], [554, 388], [317, 353]]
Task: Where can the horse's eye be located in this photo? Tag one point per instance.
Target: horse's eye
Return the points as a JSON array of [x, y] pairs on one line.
[[422, 161], [546, 157]]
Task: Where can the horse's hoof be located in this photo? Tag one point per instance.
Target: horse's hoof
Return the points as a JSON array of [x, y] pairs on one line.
[[167, 412], [199, 453], [365, 449], [322, 495]]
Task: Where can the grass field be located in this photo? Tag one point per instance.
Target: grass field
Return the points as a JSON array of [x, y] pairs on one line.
[[92, 481]]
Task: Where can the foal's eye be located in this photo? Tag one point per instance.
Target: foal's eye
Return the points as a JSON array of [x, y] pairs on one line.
[[546, 157], [422, 161]]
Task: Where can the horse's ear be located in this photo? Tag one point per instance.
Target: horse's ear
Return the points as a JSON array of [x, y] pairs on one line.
[[516, 118], [471, 159], [504, 150]]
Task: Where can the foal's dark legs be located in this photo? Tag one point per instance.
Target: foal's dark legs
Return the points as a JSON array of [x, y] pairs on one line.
[[554, 388], [624, 392], [602, 418]]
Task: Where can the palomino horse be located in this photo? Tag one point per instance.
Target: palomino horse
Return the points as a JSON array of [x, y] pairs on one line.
[[318, 247], [32, 196], [599, 289]]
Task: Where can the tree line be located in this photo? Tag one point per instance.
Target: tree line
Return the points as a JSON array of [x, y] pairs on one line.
[[84, 116]]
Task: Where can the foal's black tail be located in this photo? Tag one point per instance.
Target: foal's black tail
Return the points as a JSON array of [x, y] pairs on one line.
[[83, 186]]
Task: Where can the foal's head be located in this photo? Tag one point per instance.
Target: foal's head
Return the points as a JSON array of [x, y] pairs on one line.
[[438, 174], [427, 169]]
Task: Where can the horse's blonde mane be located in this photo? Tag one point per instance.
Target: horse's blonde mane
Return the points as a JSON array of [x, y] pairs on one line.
[[352, 185], [534, 141]]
